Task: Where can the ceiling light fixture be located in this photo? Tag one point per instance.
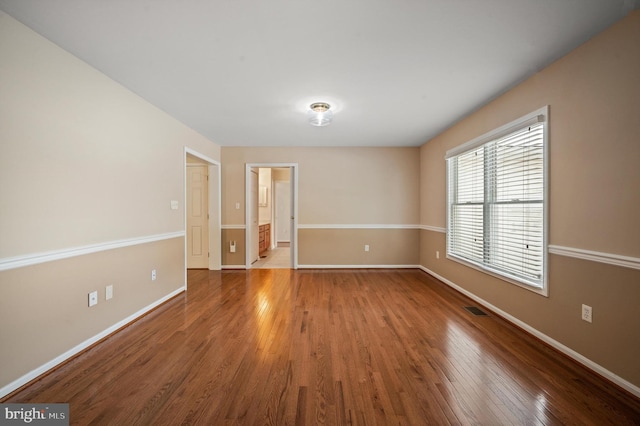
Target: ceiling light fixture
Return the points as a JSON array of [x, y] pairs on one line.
[[319, 114]]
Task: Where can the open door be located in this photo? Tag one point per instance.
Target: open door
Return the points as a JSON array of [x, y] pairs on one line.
[[197, 216], [205, 242]]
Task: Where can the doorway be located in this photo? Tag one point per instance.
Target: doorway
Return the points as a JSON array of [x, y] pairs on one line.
[[203, 247], [271, 228]]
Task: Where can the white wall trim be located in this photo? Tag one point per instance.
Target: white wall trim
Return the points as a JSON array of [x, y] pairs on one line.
[[630, 387], [82, 346], [49, 256], [234, 226], [433, 228], [357, 226], [358, 266], [596, 256], [243, 267]]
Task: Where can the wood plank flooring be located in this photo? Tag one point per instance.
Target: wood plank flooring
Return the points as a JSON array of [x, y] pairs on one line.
[[344, 347]]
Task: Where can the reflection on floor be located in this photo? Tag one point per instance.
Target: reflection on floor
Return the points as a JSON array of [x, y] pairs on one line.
[[279, 257]]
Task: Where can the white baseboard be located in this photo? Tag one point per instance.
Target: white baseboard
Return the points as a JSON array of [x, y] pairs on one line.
[[82, 346], [356, 226], [358, 266], [630, 387], [234, 267]]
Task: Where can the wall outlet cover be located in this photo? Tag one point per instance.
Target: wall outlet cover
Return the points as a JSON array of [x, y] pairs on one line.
[[93, 298], [587, 313]]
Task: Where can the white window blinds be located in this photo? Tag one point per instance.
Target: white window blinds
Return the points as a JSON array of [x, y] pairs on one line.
[[496, 201]]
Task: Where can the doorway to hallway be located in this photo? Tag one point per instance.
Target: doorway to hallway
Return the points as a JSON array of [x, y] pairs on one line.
[[271, 209]]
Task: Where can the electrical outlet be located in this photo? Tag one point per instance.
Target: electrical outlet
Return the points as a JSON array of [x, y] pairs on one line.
[[108, 292], [153, 275], [93, 298], [366, 247], [587, 313], [437, 254]]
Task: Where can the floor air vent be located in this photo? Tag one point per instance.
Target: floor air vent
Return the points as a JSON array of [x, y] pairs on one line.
[[476, 311]]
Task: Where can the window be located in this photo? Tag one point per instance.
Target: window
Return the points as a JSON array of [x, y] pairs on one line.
[[497, 202]]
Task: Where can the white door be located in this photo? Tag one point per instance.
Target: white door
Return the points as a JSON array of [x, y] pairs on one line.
[[283, 211], [197, 217], [255, 231]]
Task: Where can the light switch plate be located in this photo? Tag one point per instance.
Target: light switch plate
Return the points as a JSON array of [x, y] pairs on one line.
[[174, 204], [108, 292]]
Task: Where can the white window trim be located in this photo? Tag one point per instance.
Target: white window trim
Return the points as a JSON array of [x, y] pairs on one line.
[[539, 115]]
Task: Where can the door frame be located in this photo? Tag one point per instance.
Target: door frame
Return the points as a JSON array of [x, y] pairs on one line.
[[253, 251], [214, 209], [294, 207]]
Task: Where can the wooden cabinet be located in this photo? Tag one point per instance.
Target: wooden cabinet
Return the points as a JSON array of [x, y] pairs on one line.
[[265, 237]]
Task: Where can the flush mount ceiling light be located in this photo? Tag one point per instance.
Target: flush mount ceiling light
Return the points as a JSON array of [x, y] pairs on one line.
[[319, 114]]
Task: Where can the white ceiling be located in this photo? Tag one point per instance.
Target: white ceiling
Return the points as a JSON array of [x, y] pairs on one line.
[[243, 72]]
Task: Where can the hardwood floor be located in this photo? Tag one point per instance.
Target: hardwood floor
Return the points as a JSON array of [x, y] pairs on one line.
[[326, 347]]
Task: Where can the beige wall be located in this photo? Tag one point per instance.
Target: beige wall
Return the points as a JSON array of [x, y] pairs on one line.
[[594, 99], [44, 310], [335, 247], [239, 257], [337, 186], [83, 162], [94, 162]]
